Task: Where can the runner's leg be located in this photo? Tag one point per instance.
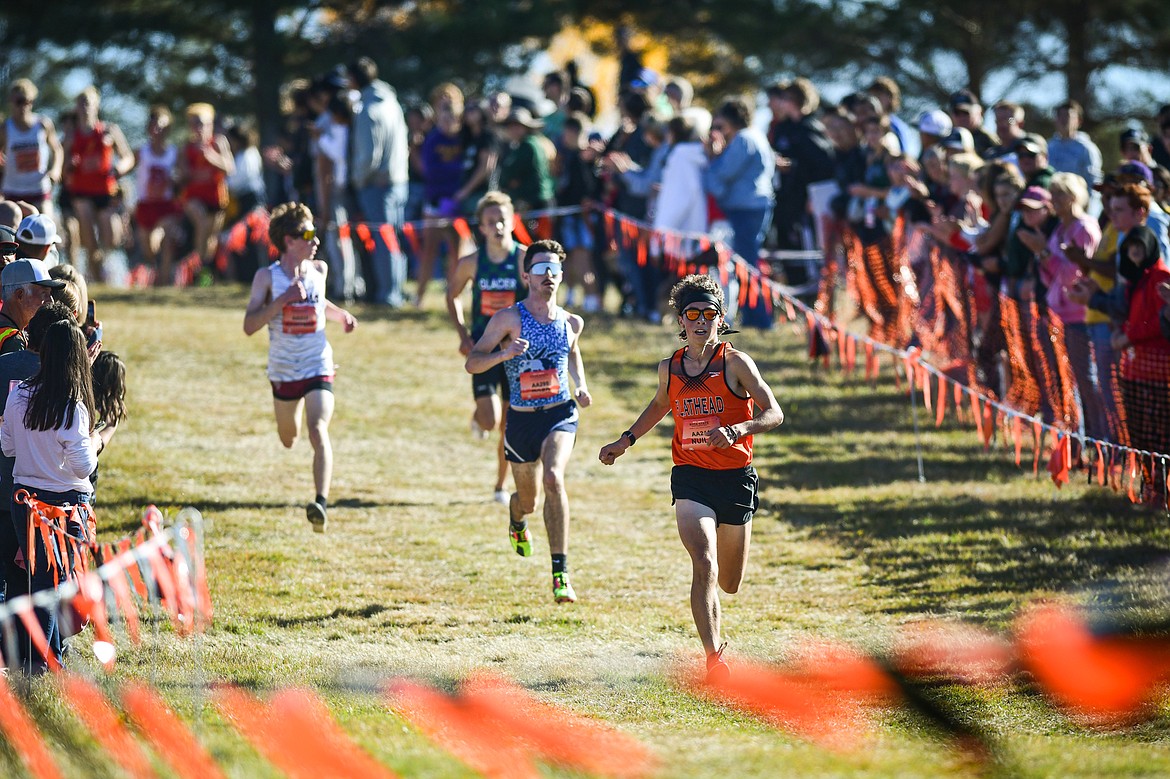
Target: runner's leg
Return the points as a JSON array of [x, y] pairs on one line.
[[84, 211], [523, 500], [732, 543], [318, 411], [555, 456], [501, 459], [288, 420], [697, 529]]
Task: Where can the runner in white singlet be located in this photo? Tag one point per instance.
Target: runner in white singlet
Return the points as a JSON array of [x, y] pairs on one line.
[[289, 297]]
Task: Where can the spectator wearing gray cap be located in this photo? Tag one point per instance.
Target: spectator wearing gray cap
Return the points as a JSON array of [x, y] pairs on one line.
[[967, 112], [1032, 158], [37, 235], [25, 286]]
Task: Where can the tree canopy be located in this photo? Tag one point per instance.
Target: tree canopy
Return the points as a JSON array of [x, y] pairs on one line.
[[237, 55]]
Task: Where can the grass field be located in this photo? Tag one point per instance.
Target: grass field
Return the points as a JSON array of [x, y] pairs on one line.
[[415, 576]]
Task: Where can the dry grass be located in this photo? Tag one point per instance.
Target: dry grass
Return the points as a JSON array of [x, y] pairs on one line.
[[416, 577]]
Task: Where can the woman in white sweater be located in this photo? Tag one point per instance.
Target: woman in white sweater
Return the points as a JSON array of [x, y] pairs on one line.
[[682, 201], [47, 427]]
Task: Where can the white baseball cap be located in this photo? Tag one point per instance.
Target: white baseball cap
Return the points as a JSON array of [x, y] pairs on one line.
[[38, 230], [935, 123]]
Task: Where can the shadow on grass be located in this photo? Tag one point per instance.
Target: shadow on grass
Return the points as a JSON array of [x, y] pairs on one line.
[[363, 612], [938, 553], [210, 505]]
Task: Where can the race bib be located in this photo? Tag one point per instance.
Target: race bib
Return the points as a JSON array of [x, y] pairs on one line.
[[491, 301], [28, 159], [696, 432], [298, 318], [538, 385]]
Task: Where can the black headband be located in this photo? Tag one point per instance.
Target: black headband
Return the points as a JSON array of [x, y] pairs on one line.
[[698, 296]]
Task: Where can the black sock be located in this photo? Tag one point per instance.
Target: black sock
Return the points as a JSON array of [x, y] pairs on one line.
[[560, 563], [321, 499], [517, 526]]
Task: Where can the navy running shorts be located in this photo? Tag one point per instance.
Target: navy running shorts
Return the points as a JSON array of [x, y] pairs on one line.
[[525, 431]]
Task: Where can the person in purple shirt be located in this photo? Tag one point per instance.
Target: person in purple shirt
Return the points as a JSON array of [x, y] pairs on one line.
[[1062, 262], [442, 161]]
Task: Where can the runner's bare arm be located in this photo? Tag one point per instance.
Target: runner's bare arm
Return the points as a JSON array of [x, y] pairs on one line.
[[126, 158], [220, 155], [658, 407], [462, 275], [56, 153], [338, 314], [745, 375], [261, 309], [333, 311], [576, 365], [502, 329]]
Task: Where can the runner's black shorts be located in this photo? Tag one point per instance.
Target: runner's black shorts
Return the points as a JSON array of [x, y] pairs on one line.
[[732, 495], [493, 380], [526, 431]]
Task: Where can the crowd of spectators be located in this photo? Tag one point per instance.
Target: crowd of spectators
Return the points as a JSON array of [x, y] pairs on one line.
[[1014, 260], [997, 250]]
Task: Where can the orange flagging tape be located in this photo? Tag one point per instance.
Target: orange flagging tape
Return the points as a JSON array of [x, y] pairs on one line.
[[1100, 681], [37, 635], [100, 718], [480, 744], [303, 717], [171, 739], [576, 742], [22, 734]]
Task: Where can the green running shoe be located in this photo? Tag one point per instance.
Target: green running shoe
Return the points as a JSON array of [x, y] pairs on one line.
[[521, 541], [562, 590]]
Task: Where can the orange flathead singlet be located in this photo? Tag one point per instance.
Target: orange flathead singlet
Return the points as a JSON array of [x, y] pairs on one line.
[[700, 403]]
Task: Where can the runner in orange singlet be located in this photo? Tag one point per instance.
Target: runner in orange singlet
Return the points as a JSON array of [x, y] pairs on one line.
[[713, 392], [98, 156], [204, 165]]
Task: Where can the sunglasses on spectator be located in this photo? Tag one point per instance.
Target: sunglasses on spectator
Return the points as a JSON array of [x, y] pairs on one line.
[[545, 269], [20, 100], [308, 234], [693, 314], [1026, 154]]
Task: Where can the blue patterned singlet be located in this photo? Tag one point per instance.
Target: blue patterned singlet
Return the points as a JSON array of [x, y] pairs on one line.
[[540, 376]]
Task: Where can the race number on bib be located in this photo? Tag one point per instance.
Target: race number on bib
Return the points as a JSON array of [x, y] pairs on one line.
[[538, 385], [299, 318], [696, 432], [491, 301], [27, 160]]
